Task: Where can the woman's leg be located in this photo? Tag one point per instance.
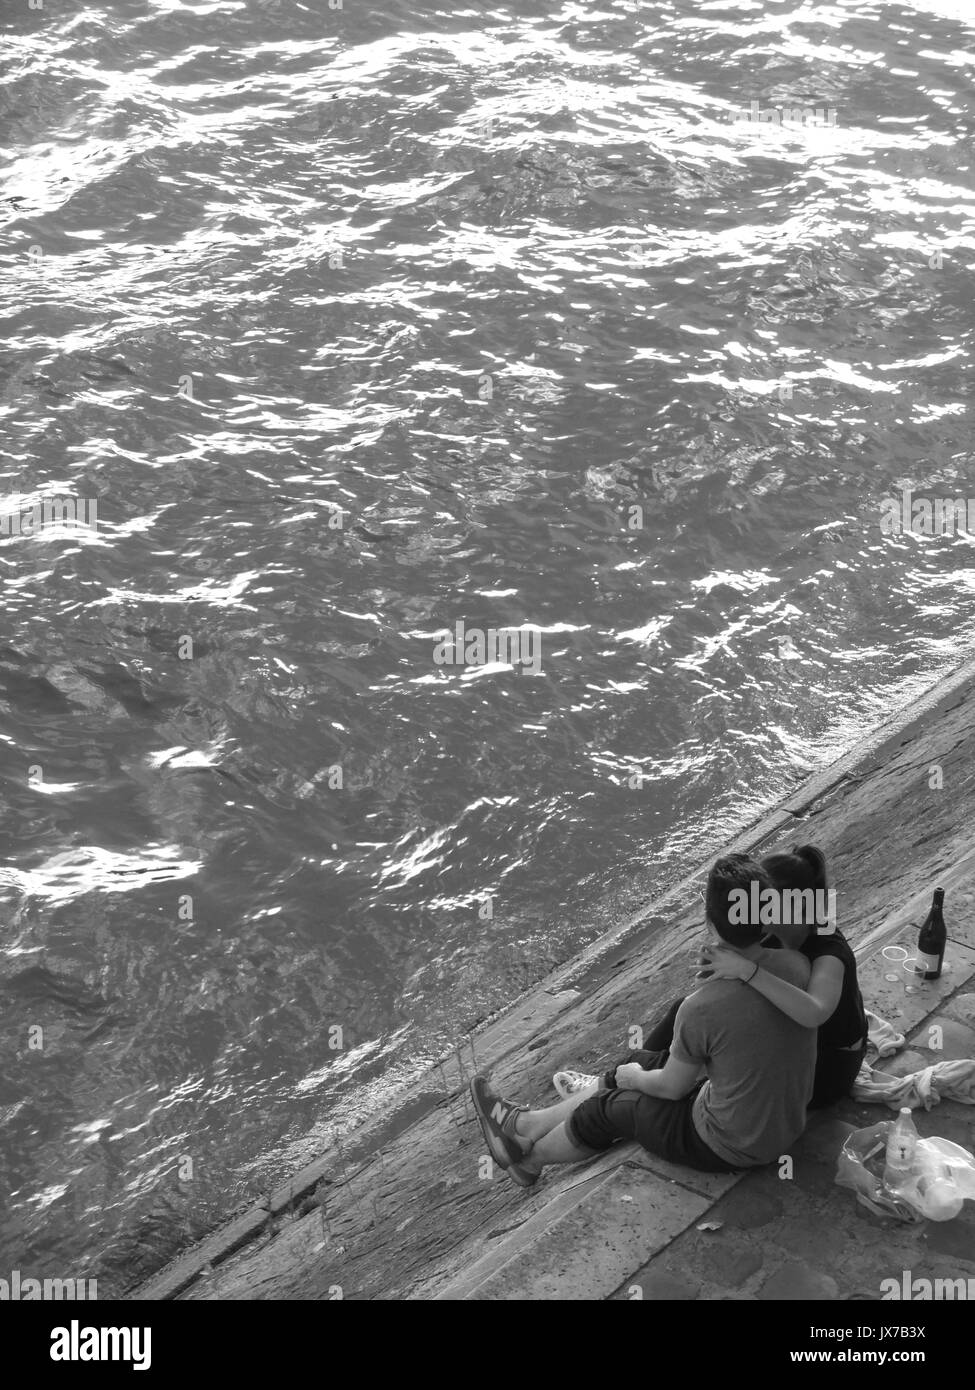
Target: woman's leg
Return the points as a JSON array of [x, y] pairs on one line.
[[661, 1034], [836, 1071]]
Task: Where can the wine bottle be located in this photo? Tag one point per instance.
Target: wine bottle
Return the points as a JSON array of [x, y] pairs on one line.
[[931, 939]]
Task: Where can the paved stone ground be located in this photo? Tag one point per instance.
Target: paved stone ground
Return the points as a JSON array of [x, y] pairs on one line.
[[808, 1239]]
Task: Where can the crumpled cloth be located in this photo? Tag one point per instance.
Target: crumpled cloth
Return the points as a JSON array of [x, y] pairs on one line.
[[942, 1081], [882, 1036]]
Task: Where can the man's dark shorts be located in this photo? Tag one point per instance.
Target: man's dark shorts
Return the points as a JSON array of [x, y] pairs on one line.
[[662, 1127]]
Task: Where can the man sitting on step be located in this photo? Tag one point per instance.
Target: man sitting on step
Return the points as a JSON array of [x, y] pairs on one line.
[[746, 1109]]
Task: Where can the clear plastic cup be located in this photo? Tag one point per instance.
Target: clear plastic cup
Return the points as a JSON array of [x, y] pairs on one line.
[[896, 955]]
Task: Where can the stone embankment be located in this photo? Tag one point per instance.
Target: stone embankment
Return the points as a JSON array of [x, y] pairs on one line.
[[405, 1210]]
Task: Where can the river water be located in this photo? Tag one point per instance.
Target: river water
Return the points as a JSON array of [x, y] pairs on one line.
[[359, 323]]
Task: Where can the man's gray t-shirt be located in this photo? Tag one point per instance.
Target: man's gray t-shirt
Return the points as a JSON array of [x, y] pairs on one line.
[[760, 1064]]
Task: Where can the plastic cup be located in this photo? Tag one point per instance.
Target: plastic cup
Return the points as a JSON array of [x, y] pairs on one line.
[[894, 954]]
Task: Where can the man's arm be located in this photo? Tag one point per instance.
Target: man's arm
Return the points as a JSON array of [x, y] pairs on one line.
[[669, 1082]]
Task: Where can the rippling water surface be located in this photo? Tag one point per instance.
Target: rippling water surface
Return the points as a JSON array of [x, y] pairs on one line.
[[477, 281]]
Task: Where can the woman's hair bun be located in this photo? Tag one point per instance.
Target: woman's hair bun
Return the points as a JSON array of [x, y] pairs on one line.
[[816, 860]]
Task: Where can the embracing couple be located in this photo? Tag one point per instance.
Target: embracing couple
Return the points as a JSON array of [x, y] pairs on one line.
[[726, 1076]]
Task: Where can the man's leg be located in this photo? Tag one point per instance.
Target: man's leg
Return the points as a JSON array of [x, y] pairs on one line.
[[511, 1132], [602, 1121], [546, 1135], [662, 1127], [556, 1147], [533, 1125]]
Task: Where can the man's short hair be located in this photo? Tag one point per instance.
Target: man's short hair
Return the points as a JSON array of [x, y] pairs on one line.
[[728, 874]]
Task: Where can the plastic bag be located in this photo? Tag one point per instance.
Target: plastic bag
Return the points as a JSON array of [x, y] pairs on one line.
[[944, 1176]]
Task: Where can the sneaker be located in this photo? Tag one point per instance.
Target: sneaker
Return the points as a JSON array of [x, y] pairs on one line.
[[497, 1119], [570, 1083]]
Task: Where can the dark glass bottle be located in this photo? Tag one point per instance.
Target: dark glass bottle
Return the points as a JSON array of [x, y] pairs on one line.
[[931, 939]]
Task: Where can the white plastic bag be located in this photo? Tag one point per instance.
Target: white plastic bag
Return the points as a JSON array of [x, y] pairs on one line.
[[944, 1176]]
